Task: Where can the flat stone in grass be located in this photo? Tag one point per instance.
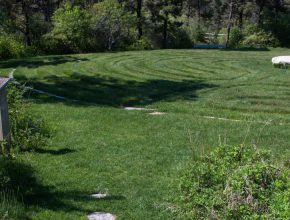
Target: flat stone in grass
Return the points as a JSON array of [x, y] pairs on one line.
[[137, 109], [156, 113], [98, 195], [101, 216]]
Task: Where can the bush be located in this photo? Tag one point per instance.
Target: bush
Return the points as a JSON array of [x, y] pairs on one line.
[[280, 26], [142, 44], [236, 38], [195, 30], [178, 38], [71, 30], [26, 131], [111, 24], [261, 39], [236, 183], [256, 37], [10, 47]]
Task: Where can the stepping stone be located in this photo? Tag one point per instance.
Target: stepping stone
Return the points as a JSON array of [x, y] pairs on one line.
[[156, 113], [101, 216], [137, 109], [98, 195]]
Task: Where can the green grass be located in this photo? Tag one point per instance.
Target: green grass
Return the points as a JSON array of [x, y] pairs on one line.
[[137, 158]]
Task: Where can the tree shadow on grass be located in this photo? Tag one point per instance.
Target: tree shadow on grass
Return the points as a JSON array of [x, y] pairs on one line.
[[34, 194], [54, 152], [108, 91], [40, 61], [247, 49]]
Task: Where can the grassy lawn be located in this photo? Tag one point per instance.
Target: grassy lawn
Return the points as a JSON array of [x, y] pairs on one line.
[[135, 157]]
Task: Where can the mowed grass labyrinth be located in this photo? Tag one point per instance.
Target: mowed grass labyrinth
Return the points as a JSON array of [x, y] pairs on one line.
[[138, 158]]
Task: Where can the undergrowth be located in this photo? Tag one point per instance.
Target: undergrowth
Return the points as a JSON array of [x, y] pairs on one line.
[[27, 132], [236, 182]]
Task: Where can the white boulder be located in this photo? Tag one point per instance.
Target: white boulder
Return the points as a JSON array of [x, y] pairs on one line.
[[281, 60], [101, 216]]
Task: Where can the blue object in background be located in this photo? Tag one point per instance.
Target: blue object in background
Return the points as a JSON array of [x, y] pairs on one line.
[[208, 46]]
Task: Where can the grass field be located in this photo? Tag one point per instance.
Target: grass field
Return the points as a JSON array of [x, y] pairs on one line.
[[135, 157]]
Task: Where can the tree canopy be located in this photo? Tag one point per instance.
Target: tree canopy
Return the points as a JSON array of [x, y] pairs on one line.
[[67, 26]]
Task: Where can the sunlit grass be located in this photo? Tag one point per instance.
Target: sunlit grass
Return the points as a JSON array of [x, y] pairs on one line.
[[137, 158]]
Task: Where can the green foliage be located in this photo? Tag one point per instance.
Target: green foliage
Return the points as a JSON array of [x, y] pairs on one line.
[[199, 36], [27, 131], [257, 37], [236, 183], [236, 37], [71, 29], [104, 26], [280, 26], [142, 44], [111, 23], [194, 31], [10, 47], [63, 26], [179, 38], [4, 178]]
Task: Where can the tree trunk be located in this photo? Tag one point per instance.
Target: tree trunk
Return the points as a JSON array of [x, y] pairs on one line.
[[47, 11], [165, 31], [110, 43], [277, 9], [139, 17], [217, 15], [241, 15], [198, 13], [229, 23], [25, 10], [258, 11]]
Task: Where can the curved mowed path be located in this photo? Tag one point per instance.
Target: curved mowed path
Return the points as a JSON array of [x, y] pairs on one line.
[[134, 157]]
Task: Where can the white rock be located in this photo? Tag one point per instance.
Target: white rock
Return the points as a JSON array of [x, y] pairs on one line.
[[156, 113], [281, 60], [137, 109], [99, 195], [101, 216]]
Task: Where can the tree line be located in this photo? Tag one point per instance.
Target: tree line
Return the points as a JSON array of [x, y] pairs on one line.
[[69, 26]]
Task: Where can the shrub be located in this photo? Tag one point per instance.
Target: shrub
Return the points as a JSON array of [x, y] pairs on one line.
[[236, 183], [70, 31], [27, 132], [199, 36], [10, 47], [260, 39], [142, 44], [236, 38], [178, 38], [195, 30], [280, 26], [111, 24], [257, 37]]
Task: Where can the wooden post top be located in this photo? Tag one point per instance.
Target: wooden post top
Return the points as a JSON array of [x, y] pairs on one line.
[[3, 82]]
